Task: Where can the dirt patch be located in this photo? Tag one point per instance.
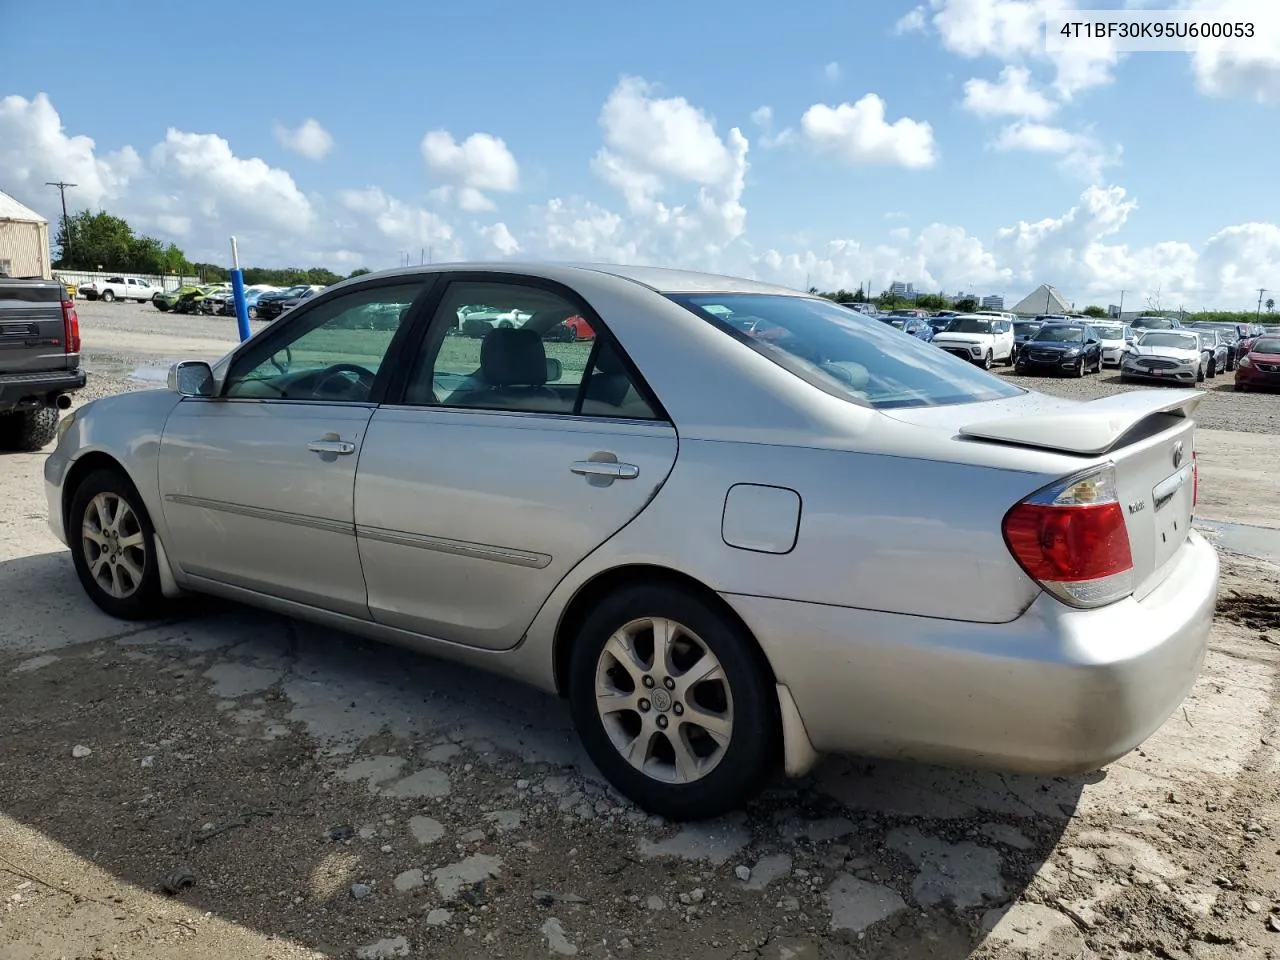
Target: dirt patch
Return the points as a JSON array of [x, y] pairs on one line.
[[1256, 611]]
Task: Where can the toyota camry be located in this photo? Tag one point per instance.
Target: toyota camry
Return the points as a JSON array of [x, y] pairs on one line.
[[705, 527]]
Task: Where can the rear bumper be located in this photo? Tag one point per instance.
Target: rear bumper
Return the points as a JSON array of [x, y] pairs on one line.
[[1056, 691], [35, 389]]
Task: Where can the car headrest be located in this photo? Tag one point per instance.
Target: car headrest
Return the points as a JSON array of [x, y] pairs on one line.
[[609, 362], [513, 356]]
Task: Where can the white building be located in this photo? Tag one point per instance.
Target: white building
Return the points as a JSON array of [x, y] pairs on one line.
[[906, 291], [993, 302], [24, 241]]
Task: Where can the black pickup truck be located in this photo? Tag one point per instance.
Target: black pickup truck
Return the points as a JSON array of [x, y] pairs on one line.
[[39, 360]]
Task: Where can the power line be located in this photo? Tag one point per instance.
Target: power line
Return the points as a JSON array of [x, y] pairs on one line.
[[66, 221]]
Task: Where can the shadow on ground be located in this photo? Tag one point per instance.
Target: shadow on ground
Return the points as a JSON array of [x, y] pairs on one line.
[[316, 787]]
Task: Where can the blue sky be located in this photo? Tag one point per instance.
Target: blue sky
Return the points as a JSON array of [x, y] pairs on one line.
[[605, 132]]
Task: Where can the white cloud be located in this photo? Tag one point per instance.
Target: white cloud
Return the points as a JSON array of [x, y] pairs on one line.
[[480, 163], [34, 148], [1013, 31], [762, 117], [501, 238], [1014, 95], [1081, 154], [309, 140], [859, 133], [1251, 73], [910, 22], [650, 141], [831, 71]]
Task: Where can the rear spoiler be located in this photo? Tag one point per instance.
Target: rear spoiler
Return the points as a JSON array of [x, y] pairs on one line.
[[1090, 429]]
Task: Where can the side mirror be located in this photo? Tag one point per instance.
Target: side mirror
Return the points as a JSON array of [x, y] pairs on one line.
[[554, 370], [191, 378]]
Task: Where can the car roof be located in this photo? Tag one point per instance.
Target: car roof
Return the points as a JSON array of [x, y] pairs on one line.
[[666, 280]]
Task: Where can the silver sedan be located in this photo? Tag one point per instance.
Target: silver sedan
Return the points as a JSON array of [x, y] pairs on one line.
[[737, 527]]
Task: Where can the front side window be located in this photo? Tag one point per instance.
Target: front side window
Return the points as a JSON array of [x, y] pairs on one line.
[[845, 354], [521, 353], [331, 353]]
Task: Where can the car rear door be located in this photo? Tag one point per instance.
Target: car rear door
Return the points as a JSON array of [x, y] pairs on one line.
[[491, 476], [31, 327]]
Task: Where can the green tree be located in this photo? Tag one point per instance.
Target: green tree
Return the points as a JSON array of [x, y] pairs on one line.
[[359, 272], [100, 240], [932, 301], [1271, 304], [966, 305], [1094, 311]]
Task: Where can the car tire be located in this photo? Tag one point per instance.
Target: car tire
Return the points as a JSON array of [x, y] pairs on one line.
[[27, 431], [1079, 368], [740, 700], [107, 296], [118, 568], [987, 361], [1200, 374], [161, 305]]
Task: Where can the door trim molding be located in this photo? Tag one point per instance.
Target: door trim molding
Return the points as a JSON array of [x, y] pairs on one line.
[[261, 513], [457, 548]]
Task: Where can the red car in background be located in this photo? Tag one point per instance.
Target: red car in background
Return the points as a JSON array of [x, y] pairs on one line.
[[581, 329], [1259, 368]]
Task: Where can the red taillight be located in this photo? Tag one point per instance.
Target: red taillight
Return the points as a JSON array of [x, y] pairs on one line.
[[70, 327], [1071, 538]]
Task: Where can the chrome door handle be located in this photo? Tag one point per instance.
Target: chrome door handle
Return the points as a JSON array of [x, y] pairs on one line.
[[605, 468], [340, 447]]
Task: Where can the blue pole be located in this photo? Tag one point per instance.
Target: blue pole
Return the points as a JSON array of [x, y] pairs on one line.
[[237, 293], [242, 309]]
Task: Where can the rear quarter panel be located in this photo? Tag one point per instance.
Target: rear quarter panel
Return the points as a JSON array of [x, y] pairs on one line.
[[876, 532]]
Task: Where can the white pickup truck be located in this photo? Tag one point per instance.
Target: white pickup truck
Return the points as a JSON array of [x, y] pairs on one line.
[[119, 288]]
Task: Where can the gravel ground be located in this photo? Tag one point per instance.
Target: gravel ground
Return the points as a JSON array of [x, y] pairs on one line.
[[127, 340], [238, 784]]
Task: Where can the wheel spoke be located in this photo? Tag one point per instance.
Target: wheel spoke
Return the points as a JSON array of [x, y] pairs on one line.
[[706, 668], [637, 751], [718, 726], [686, 761], [611, 700], [89, 533], [623, 651], [118, 513], [132, 569], [116, 589], [101, 509], [95, 567], [133, 540], [665, 633]]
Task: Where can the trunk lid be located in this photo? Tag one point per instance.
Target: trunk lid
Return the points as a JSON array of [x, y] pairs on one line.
[[1148, 434], [31, 327]]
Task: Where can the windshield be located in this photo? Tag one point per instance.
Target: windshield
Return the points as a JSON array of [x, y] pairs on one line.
[[1153, 323], [1059, 334], [969, 325], [851, 356], [1266, 345], [1179, 341], [1110, 333], [1025, 329]]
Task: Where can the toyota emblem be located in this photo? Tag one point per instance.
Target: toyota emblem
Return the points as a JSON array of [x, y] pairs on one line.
[[1177, 454]]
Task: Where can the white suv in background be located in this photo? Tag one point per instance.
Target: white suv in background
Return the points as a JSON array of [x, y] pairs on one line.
[[1115, 338], [979, 338]]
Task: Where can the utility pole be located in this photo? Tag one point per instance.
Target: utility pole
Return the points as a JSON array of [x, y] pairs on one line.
[[1121, 317], [66, 221], [1261, 291]]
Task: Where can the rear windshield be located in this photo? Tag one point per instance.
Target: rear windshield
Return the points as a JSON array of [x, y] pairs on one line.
[[1153, 323], [1110, 333], [1025, 329], [857, 358], [1180, 341], [969, 325], [1061, 334]]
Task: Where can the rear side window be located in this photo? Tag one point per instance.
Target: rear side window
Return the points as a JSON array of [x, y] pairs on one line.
[[845, 354]]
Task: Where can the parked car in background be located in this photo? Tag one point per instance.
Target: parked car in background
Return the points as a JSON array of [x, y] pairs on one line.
[[980, 338], [720, 574], [119, 288], [1154, 323], [1023, 330], [167, 299], [191, 302], [1215, 351], [306, 294], [1172, 356], [270, 305], [1062, 347], [1259, 369], [941, 321], [912, 326], [1052, 318], [1115, 339], [39, 360], [1228, 334]]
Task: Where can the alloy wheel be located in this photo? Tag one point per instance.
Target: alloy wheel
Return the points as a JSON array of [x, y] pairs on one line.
[[115, 549], [664, 700]]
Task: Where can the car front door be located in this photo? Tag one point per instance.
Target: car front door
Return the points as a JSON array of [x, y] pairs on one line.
[[257, 483], [502, 463]]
